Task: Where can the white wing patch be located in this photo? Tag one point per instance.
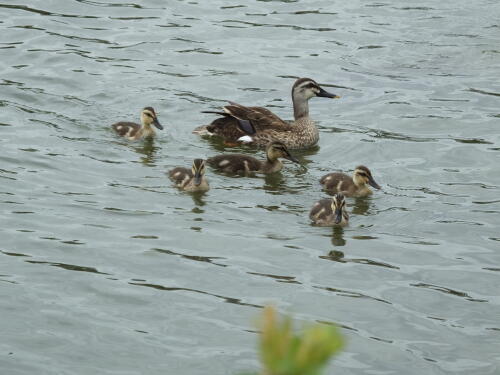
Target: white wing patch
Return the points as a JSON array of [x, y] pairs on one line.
[[245, 139]]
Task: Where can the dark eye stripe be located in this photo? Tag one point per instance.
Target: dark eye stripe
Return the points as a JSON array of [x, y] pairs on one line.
[[310, 86]]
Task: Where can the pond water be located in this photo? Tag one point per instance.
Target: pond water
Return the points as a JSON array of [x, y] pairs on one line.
[[106, 268]]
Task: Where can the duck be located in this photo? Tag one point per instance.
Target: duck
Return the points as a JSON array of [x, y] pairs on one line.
[[192, 180], [259, 126], [134, 131], [329, 212], [355, 186], [245, 164]]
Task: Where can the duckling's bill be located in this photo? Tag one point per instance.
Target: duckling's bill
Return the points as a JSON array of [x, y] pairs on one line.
[[197, 178], [372, 182], [338, 215], [290, 157], [157, 123]]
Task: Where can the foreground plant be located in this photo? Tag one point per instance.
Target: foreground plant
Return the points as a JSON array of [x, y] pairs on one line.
[[284, 352]]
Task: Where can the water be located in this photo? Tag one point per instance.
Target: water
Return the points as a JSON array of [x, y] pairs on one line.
[[106, 268]]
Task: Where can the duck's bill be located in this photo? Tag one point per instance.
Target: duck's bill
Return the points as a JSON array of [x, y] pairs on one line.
[[292, 158], [157, 124], [325, 94], [197, 179], [372, 182], [338, 216]]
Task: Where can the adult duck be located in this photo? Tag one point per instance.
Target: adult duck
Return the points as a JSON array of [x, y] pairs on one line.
[[259, 126]]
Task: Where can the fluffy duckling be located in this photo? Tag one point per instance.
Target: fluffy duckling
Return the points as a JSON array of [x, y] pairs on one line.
[[244, 164], [133, 131], [190, 180], [355, 186], [326, 212]]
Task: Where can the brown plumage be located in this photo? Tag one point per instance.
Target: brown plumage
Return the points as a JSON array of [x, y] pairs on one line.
[[190, 179], [259, 126], [244, 164], [355, 186], [134, 131], [326, 212]]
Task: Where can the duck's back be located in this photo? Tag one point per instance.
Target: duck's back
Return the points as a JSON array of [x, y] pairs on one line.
[[321, 212], [336, 182], [180, 175], [227, 127], [126, 129], [239, 120], [234, 163]]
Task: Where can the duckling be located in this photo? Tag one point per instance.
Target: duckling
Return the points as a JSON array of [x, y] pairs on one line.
[[259, 126], [133, 131], [190, 180], [326, 212], [355, 186], [244, 164]]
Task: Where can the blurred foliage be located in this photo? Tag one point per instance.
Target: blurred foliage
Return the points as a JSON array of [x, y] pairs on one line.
[[285, 352]]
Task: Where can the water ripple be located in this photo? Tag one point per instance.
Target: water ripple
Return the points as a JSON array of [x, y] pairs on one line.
[[236, 301]]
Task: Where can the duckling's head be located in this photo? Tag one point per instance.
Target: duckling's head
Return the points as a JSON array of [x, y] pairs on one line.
[[148, 117], [306, 88], [338, 205], [363, 176], [277, 150], [198, 169]]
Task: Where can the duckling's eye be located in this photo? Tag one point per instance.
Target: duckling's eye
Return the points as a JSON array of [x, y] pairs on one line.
[[148, 114]]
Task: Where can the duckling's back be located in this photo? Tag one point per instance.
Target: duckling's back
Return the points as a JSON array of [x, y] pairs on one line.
[[336, 182], [235, 163], [126, 128], [321, 212], [180, 175]]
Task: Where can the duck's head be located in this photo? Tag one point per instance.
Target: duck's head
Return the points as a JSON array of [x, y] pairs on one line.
[[363, 176], [306, 88], [198, 169], [277, 150], [338, 205], [148, 117]]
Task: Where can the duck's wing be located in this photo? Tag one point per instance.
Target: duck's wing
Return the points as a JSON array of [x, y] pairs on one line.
[[260, 118], [126, 129], [237, 121]]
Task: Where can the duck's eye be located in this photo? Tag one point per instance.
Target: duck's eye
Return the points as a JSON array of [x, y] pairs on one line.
[[148, 114]]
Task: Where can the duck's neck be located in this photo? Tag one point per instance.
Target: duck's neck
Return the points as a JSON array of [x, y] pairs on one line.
[[147, 130], [271, 165], [300, 107]]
